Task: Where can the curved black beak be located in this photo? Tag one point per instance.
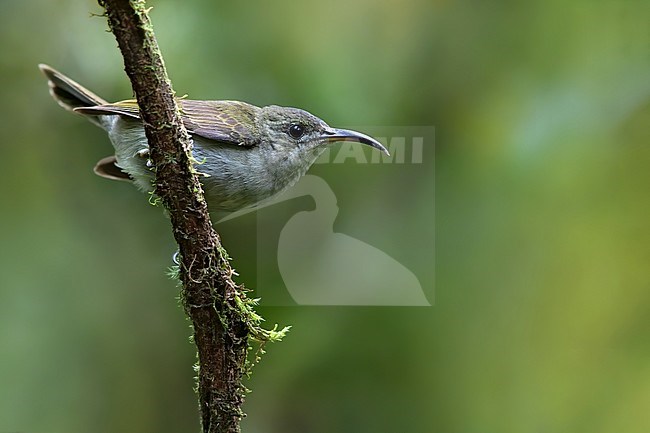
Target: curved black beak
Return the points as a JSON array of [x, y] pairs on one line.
[[334, 134]]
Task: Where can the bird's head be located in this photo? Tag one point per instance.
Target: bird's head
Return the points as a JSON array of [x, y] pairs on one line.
[[292, 131]]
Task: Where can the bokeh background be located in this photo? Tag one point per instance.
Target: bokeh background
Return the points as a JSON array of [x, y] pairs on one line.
[[541, 319]]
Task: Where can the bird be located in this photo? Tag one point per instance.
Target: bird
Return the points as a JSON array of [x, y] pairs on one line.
[[245, 153]]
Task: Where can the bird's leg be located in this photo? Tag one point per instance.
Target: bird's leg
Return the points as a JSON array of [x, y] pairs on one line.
[[144, 153]]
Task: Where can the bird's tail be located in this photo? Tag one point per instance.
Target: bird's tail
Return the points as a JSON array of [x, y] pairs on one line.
[[68, 93]]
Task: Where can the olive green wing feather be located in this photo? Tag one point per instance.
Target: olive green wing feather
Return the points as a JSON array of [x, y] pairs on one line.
[[231, 122], [227, 121], [128, 108]]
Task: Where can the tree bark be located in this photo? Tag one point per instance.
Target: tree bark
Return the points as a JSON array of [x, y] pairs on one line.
[[210, 297]]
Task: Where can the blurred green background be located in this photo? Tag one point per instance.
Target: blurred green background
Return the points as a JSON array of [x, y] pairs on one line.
[[542, 300]]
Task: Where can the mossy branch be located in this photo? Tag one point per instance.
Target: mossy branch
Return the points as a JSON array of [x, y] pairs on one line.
[[222, 317]]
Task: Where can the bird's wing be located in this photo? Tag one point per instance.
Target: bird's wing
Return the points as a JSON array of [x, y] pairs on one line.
[[230, 122], [227, 121], [108, 168]]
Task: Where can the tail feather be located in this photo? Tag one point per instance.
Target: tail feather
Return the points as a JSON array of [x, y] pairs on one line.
[[68, 93]]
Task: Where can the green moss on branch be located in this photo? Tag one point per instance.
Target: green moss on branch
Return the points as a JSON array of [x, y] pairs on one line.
[[223, 318]]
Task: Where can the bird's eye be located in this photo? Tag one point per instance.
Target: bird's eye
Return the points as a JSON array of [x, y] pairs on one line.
[[296, 130]]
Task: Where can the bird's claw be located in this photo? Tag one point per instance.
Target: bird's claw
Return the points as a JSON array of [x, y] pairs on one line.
[[144, 153]]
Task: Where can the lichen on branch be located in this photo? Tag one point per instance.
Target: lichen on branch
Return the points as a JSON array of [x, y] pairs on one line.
[[223, 318]]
